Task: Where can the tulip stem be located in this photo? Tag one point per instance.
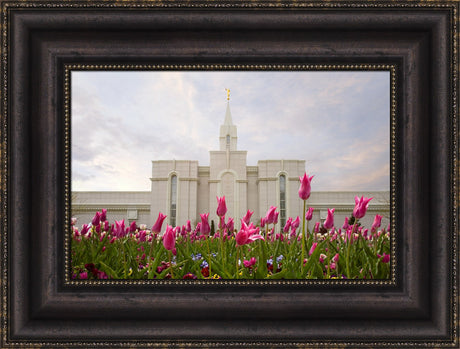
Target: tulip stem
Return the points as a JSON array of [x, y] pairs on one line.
[[237, 260], [349, 239], [303, 236], [170, 264], [209, 256], [124, 259]]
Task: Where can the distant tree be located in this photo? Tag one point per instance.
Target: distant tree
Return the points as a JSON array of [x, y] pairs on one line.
[[213, 229]]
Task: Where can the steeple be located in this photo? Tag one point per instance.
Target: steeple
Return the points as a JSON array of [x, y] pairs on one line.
[[228, 133]]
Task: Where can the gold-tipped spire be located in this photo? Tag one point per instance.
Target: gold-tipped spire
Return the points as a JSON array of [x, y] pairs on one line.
[[228, 94]]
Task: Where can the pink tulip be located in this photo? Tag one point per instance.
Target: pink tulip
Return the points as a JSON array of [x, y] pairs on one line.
[[262, 222], [222, 222], [316, 227], [205, 228], [345, 224], [385, 258], [96, 219], [230, 225], [106, 225], [365, 231], [157, 226], [329, 222], [104, 215], [221, 206], [132, 227], [295, 223], [169, 238], [287, 226], [250, 262], [247, 235], [312, 249], [73, 221], [336, 258], [241, 238], [305, 187], [377, 222], [309, 214], [275, 217], [188, 227], [361, 206], [119, 229], [247, 217], [270, 216], [322, 257]]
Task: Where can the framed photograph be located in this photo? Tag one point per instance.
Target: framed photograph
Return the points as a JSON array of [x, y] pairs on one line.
[[162, 128], [99, 97]]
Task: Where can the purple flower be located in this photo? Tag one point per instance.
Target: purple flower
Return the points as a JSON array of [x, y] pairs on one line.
[[132, 227], [305, 187]]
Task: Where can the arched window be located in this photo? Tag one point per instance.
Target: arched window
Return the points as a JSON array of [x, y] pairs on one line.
[[228, 141], [282, 217], [173, 201]]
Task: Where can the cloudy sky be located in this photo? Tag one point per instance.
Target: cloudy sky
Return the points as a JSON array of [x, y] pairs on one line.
[[337, 121]]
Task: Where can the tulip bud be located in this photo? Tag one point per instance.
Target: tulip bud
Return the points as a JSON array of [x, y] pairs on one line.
[[157, 226], [329, 222], [309, 214], [221, 206], [305, 187]]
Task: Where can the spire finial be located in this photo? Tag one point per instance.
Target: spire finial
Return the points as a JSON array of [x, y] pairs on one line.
[[228, 94]]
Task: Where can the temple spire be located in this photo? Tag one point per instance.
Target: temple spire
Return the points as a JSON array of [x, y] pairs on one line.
[[228, 134]]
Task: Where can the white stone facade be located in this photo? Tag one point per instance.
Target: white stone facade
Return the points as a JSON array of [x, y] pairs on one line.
[[182, 190]]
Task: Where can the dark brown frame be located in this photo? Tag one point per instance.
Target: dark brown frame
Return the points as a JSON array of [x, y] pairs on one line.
[[41, 308]]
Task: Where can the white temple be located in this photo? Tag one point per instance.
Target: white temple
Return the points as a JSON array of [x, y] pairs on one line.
[[182, 189]]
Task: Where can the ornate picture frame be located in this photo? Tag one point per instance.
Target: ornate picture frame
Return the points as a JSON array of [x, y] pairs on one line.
[[42, 307]]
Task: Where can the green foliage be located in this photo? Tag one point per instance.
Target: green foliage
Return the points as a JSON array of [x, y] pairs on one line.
[[130, 258]]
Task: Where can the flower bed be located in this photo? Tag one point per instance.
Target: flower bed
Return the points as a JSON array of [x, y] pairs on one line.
[[299, 250]]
